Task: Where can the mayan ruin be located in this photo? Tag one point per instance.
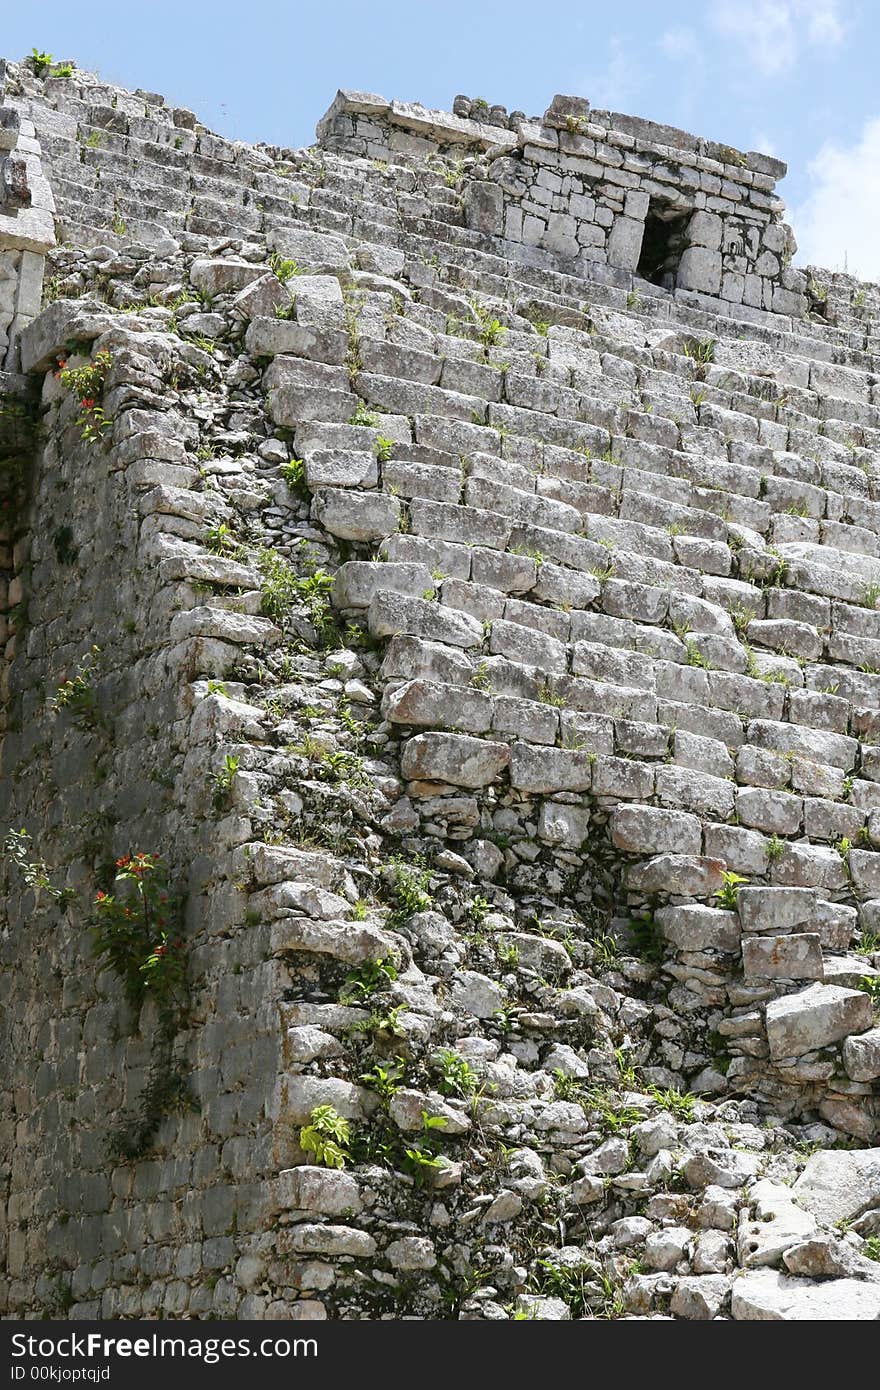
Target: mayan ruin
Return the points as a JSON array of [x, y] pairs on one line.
[[439, 721]]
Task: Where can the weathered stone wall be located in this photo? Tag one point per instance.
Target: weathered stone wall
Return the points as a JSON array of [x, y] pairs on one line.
[[468, 619], [26, 226], [581, 184]]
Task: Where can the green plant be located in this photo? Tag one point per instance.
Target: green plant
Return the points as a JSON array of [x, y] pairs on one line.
[[730, 886], [410, 888], [63, 70], [678, 1103], [571, 1284], [282, 590], [220, 539], [224, 779], [604, 951], [695, 656], [477, 909], [547, 696], [327, 1136], [421, 1158], [566, 1087], [481, 679], [870, 985], [87, 384], [612, 1113], [384, 448], [41, 61], [868, 943], [366, 979], [625, 1068], [492, 330], [166, 1091], [871, 1248], [135, 932], [870, 595], [283, 267], [77, 694], [34, 871], [457, 1076], [701, 352], [363, 416], [775, 848], [384, 1080], [94, 140]]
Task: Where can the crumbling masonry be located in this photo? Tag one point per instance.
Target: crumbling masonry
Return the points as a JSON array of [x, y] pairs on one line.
[[454, 551]]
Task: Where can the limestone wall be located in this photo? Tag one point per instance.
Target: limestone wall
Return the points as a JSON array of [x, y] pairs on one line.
[[26, 226], [487, 648], [582, 184]]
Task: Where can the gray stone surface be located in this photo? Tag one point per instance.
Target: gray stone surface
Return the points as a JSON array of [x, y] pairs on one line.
[[487, 647]]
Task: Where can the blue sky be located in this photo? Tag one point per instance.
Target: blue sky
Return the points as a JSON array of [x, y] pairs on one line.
[[794, 78]]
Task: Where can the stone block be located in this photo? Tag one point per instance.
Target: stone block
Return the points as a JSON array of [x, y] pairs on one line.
[[651, 830], [861, 1056], [356, 516], [766, 1295], [693, 927], [699, 269], [549, 770], [838, 1184], [484, 207], [323, 1190], [796, 956], [775, 909], [457, 759], [814, 1018]]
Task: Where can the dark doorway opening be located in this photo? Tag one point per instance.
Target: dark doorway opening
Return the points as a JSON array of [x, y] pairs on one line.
[[662, 244]]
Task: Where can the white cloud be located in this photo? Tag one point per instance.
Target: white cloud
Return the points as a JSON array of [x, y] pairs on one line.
[[681, 43], [619, 82], [775, 32], [837, 224]]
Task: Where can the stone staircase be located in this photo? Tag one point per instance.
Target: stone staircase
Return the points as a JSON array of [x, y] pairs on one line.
[[629, 543], [616, 552]]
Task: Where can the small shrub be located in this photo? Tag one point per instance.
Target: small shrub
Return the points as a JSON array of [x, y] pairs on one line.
[[284, 267], [457, 1076], [410, 888], [77, 695], [223, 780], [730, 886], [679, 1104], [367, 979], [327, 1136], [87, 384], [363, 416]]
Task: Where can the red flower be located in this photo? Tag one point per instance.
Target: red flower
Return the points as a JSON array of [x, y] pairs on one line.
[[160, 951], [99, 896], [88, 402], [121, 863]]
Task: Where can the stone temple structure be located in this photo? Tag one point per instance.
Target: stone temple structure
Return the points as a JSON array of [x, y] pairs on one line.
[[439, 764]]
